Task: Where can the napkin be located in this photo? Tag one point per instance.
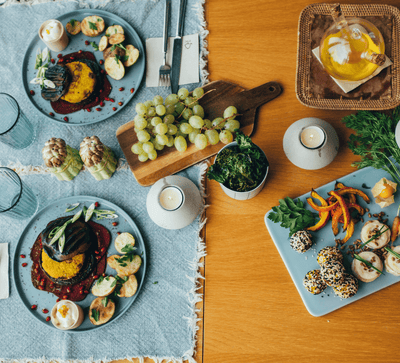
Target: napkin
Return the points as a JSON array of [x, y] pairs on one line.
[[4, 288], [189, 64], [348, 86]]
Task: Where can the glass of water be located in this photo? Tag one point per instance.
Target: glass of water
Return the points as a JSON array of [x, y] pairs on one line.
[[15, 128], [16, 198]]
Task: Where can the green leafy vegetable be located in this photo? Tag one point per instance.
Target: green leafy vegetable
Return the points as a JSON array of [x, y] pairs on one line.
[[113, 283], [125, 58], [121, 46], [92, 26], [374, 140], [155, 282], [104, 302], [72, 22], [122, 261], [117, 59], [240, 168], [128, 249], [292, 215], [95, 314], [94, 45]]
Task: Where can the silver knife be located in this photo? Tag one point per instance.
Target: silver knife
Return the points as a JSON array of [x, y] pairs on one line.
[[177, 49]]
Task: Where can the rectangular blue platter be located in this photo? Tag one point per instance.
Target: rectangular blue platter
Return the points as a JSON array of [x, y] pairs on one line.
[[299, 264]]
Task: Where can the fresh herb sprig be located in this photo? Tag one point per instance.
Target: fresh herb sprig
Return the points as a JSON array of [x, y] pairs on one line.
[[94, 45], [95, 314], [126, 258], [395, 254], [357, 257], [374, 140], [292, 215], [92, 26]]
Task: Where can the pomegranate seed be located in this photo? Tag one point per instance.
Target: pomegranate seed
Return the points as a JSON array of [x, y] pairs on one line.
[[68, 289], [112, 100], [96, 204], [22, 256], [102, 104], [52, 60], [59, 55], [96, 252], [88, 110], [34, 307], [45, 311], [101, 61], [48, 318], [51, 285], [66, 119], [102, 71], [106, 99], [58, 300], [87, 42], [98, 109], [41, 283], [103, 249], [120, 103], [118, 233], [104, 275], [65, 297], [114, 109], [32, 92], [86, 292], [38, 279], [98, 257], [72, 58], [41, 288], [96, 277], [97, 99], [51, 114], [61, 60], [115, 224], [36, 270], [79, 51], [24, 264], [132, 90], [42, 280], [81, 292], [121, 88], [101, 91]]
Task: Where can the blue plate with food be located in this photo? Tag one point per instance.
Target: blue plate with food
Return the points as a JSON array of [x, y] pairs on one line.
[[94, 77], [338, 242], [79, 264]]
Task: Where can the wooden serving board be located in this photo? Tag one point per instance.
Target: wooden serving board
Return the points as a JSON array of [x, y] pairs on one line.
[[169, 160]]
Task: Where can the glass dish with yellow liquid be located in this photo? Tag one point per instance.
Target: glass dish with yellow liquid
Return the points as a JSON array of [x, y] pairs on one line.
[[352, 49]]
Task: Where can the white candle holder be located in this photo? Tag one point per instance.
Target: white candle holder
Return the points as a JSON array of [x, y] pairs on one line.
[[307, 155], [174, 202]]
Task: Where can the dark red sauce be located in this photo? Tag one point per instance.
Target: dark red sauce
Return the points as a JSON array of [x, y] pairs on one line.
[[63, 107], [41, 282]]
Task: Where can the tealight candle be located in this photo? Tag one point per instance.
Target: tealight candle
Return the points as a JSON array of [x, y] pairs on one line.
[[171, 198], [312, 137]]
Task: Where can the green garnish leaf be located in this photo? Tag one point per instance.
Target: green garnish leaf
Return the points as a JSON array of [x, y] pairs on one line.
[[72, 22], [125, 58], [77, 216], [115, 31], [96, 314], [94, 45], [117, 59], [104, 302], [92, 26], [155, 282], [113, 47], [98, 19], [122, 47], [357, 257], [72, 207], [61, 243], [240, 168], [113, 283], [292, 215], [100, 280], [374, 140], [395, 254], [89, 212], [128, 249]]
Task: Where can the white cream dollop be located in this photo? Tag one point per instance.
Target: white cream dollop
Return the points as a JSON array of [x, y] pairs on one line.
[[51, 31], [65, 315]]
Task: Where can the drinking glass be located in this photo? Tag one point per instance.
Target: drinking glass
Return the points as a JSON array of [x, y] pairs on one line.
[[16, 198], [15, 128]]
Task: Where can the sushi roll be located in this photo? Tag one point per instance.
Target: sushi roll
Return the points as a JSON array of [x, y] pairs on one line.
[[313, 282], [301, 241]]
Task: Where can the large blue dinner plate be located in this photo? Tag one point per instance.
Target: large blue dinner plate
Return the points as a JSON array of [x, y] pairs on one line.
[[132, 79], [299, 264], [45, 300]]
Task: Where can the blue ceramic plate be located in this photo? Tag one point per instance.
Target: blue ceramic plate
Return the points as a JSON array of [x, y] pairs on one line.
[[299, 264], [22, 275], [132, 78]]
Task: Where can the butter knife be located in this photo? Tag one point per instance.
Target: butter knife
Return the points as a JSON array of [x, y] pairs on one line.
[[177, 48]]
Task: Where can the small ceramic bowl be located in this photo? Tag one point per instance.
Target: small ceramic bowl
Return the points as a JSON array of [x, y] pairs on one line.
[[244, 195], [75, 312]]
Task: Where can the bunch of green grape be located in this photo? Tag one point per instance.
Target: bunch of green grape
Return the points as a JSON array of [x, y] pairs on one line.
[[178, 118]]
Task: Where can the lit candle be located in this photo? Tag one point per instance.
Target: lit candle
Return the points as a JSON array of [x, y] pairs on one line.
[[171, 198], [312, 137]]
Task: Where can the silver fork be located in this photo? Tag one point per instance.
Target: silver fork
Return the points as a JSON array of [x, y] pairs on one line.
[[164, 79]]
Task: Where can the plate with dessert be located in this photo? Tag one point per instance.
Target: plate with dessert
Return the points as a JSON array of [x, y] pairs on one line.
[[340, 242], [79, 264], [83, 67]]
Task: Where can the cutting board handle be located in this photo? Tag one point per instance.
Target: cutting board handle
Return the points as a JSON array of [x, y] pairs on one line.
[[257, 96]]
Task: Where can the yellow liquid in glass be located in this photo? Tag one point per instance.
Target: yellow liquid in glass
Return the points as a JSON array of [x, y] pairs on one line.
[[342, 56]]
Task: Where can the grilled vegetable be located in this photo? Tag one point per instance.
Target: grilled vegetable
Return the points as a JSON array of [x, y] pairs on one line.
[[92, 25], [104, 286], [100, 314], [73, 27], [113, 51], [103, 43], [132, 53], [116, 38], [129, 287], [114, 29], [114, 67], [61, 77]]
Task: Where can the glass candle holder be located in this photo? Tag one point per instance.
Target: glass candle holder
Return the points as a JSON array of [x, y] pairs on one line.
[[171, 198], [312, 137]]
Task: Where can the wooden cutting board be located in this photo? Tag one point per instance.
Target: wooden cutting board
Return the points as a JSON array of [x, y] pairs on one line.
[[169, 160]]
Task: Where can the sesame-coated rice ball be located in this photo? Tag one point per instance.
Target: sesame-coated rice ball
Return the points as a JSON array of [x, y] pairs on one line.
[[329, 253], [347, 288], [301, 241], [313, 282], [332, 272]]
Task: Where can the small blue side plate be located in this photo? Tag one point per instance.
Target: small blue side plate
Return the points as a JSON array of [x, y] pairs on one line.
[[132, 78], [22, 275], [299, 264]]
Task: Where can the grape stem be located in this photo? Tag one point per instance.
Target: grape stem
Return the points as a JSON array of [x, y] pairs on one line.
[[225, 119], [187, 106]]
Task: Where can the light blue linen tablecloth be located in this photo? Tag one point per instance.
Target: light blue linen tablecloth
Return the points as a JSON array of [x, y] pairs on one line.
[[161, 322]]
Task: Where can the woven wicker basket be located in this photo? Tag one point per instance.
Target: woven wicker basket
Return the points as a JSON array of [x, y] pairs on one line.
[[315, 88]]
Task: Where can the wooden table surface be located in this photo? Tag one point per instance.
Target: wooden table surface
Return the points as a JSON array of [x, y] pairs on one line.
[[252, 310]]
